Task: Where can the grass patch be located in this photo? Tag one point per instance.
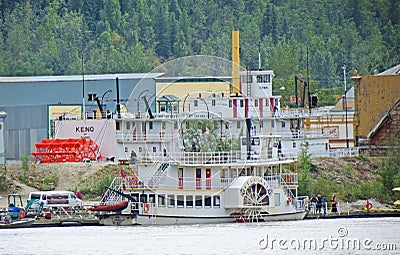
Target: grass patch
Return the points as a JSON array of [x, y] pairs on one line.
[[5, 182], [40, 179], [94, 186]]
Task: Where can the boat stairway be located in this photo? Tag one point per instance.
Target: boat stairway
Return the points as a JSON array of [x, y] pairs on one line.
[[158, 174]]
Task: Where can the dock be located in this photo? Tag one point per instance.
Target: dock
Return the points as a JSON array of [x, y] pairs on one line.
[[374, 212], [66, 217], [66, 222]]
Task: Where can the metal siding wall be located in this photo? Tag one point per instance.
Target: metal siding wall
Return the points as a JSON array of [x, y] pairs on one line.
[[11, 142], [26, 117], [20, 124], [23, 145]]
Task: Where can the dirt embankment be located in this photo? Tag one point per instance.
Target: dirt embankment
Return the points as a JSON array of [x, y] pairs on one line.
[[351, 169]]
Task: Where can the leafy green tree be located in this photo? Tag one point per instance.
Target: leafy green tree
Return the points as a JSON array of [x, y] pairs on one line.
[[389, 173], [48, 37], [305, 168], [111, 14], [204, 135]]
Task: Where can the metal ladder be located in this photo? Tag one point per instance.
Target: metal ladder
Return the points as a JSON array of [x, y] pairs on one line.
[[158, 174]]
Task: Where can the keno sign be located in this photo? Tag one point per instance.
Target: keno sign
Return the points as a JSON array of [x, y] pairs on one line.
[[87, 129]]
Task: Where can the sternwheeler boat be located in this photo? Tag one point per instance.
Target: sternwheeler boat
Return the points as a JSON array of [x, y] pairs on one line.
[[217, 161]]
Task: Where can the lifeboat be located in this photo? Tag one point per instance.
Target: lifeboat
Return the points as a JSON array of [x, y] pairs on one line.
[[111, 207]]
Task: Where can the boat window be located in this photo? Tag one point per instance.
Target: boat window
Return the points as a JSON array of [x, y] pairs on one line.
[[233, 173], [152, 198], [180, 201], [277, 198], [250, 171], [207, 201], [224, 173], [128, 125], [255, 141], [161, 200], [259, 171], [274, 170], [150, 125], [189, 201], [199, 201], [143, 198], [242, 172], [171, 200], [162, 108], [198, 173], [217, 201]]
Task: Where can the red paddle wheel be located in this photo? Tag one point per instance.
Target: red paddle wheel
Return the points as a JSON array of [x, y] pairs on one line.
[[66, 150]]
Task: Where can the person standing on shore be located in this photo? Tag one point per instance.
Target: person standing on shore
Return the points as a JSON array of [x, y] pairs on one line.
[[319, 204], [79, 194], [325, 205], [334, 204]]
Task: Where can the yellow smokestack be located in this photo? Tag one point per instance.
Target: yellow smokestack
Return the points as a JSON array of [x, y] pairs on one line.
[[235, 63]]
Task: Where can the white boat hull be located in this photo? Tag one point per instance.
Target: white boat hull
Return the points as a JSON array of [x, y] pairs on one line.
[[285, 216], [144, 219]]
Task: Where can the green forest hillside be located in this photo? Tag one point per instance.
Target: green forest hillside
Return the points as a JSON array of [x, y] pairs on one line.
[[49, 37]]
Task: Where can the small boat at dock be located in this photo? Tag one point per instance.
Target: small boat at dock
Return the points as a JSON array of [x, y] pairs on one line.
[[22, 223], [110, 207]]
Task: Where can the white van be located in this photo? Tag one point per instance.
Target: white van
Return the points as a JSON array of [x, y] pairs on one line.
[[58, 198]]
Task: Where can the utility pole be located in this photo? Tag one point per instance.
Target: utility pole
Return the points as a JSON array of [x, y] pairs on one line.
[[83, 92], [345, 105]]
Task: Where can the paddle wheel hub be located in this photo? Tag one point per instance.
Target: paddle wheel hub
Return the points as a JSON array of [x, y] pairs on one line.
[[66, 150]]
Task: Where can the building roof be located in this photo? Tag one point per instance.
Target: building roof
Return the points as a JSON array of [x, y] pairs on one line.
[[168, 98], [91, 77], [382, 121], [192, 79], [350, 101], [392, 71]]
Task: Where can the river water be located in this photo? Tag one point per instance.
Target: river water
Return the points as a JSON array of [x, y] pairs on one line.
[[320, 236]]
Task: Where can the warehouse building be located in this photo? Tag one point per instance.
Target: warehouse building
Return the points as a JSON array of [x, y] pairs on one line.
[[29, 105]]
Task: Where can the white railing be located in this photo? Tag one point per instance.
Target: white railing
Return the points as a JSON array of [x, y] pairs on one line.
[[347, 152], [206, 158], [127, 137], [186, 183]]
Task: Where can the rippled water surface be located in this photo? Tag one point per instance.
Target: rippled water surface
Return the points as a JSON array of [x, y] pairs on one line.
[[323, 236]]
